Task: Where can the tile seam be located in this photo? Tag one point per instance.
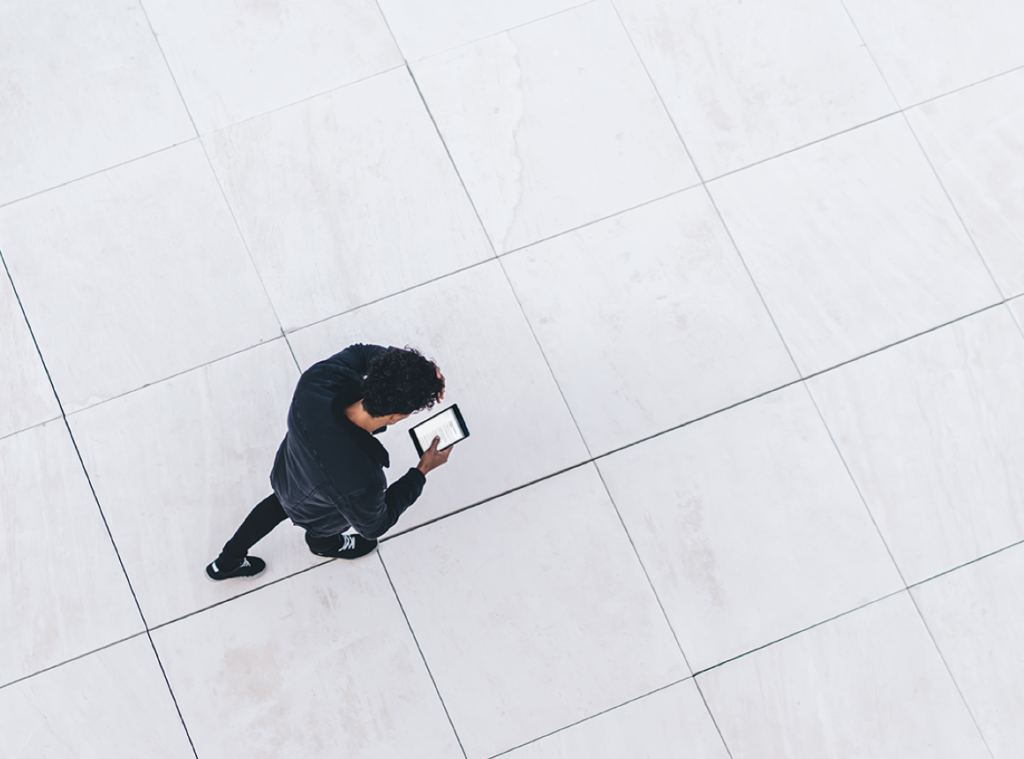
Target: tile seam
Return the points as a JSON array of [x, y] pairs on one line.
[[99, 507]]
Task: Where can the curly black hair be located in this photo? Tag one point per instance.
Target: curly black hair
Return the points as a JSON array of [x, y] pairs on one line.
[[400, 382]]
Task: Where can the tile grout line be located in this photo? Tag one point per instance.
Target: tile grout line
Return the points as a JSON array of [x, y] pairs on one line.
[[1018, 322], [952, 204], [594, 222], [949, 671], [761, 647], [661, 605], [496, 257], [906, 119], [591, 717], [707, 190], [856, 485], [177, 374], [75, 658], [640, 561], [955, 90], [95, 173], [383, 298], [415, 640], [99, 507], [391, 33], [489, 35], [1002, 297], [899, 571], [547, 362], [216, 176], [801, 631], [1017, 545]]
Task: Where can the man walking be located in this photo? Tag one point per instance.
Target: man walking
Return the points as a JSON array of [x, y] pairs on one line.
[[328, 475]]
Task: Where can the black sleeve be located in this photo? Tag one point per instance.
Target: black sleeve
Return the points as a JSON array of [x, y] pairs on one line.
[[373, 515], [359, 356]]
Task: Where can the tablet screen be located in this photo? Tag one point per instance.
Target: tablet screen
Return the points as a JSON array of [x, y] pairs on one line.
[[444, 425]]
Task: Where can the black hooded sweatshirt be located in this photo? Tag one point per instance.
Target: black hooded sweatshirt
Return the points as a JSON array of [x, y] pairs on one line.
[[329, 473]]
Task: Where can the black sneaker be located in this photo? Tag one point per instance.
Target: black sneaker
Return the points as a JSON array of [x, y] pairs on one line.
[[349, 547], [250, 567]]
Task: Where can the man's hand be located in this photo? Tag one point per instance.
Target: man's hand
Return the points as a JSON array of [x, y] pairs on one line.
[[432, 459]]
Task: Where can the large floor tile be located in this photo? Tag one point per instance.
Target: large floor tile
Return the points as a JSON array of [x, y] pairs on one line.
[[234, 59], [976, 615], [426, 27], [924, 49], [532, 612], [933, 432], [347, 198], [472, 326], [63, 592], [746, 81], [749, 526], [975, 140], [28, 397], [853, 244], [553, 125], [322, 664], [870, 684], [177, 467], [648, 320], [669, 724], [85, 87], [113, 704], [134, 275]]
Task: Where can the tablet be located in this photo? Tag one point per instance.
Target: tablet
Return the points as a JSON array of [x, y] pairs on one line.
[[448, 425]]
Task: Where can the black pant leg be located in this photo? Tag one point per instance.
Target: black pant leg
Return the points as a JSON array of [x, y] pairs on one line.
[[267, 515]]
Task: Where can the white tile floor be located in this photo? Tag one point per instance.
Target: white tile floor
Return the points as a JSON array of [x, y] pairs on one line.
[[732, 297]]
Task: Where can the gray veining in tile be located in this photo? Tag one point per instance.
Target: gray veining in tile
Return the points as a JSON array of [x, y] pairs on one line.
[[63, 592], [867, 684], [933, 432], [553, 124], [83, 87], [853, 244]]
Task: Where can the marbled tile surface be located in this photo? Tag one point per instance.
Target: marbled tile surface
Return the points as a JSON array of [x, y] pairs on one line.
[[334, 666], [976, 615], [720, 420], [234, 59], [23, 382], [975, 140], [666, 269], [764, 534], [923, 51], [853, 244], [532, 617], [747, 81], [141, 259], [663, 725], [553, 125], [425, 27], [179, 465], [933, 433], [84, 88], [63, 593], [113, 704], [870, 683], [346, 198]]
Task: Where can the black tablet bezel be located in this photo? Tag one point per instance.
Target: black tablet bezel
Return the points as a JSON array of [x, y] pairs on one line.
[[458, 417]]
